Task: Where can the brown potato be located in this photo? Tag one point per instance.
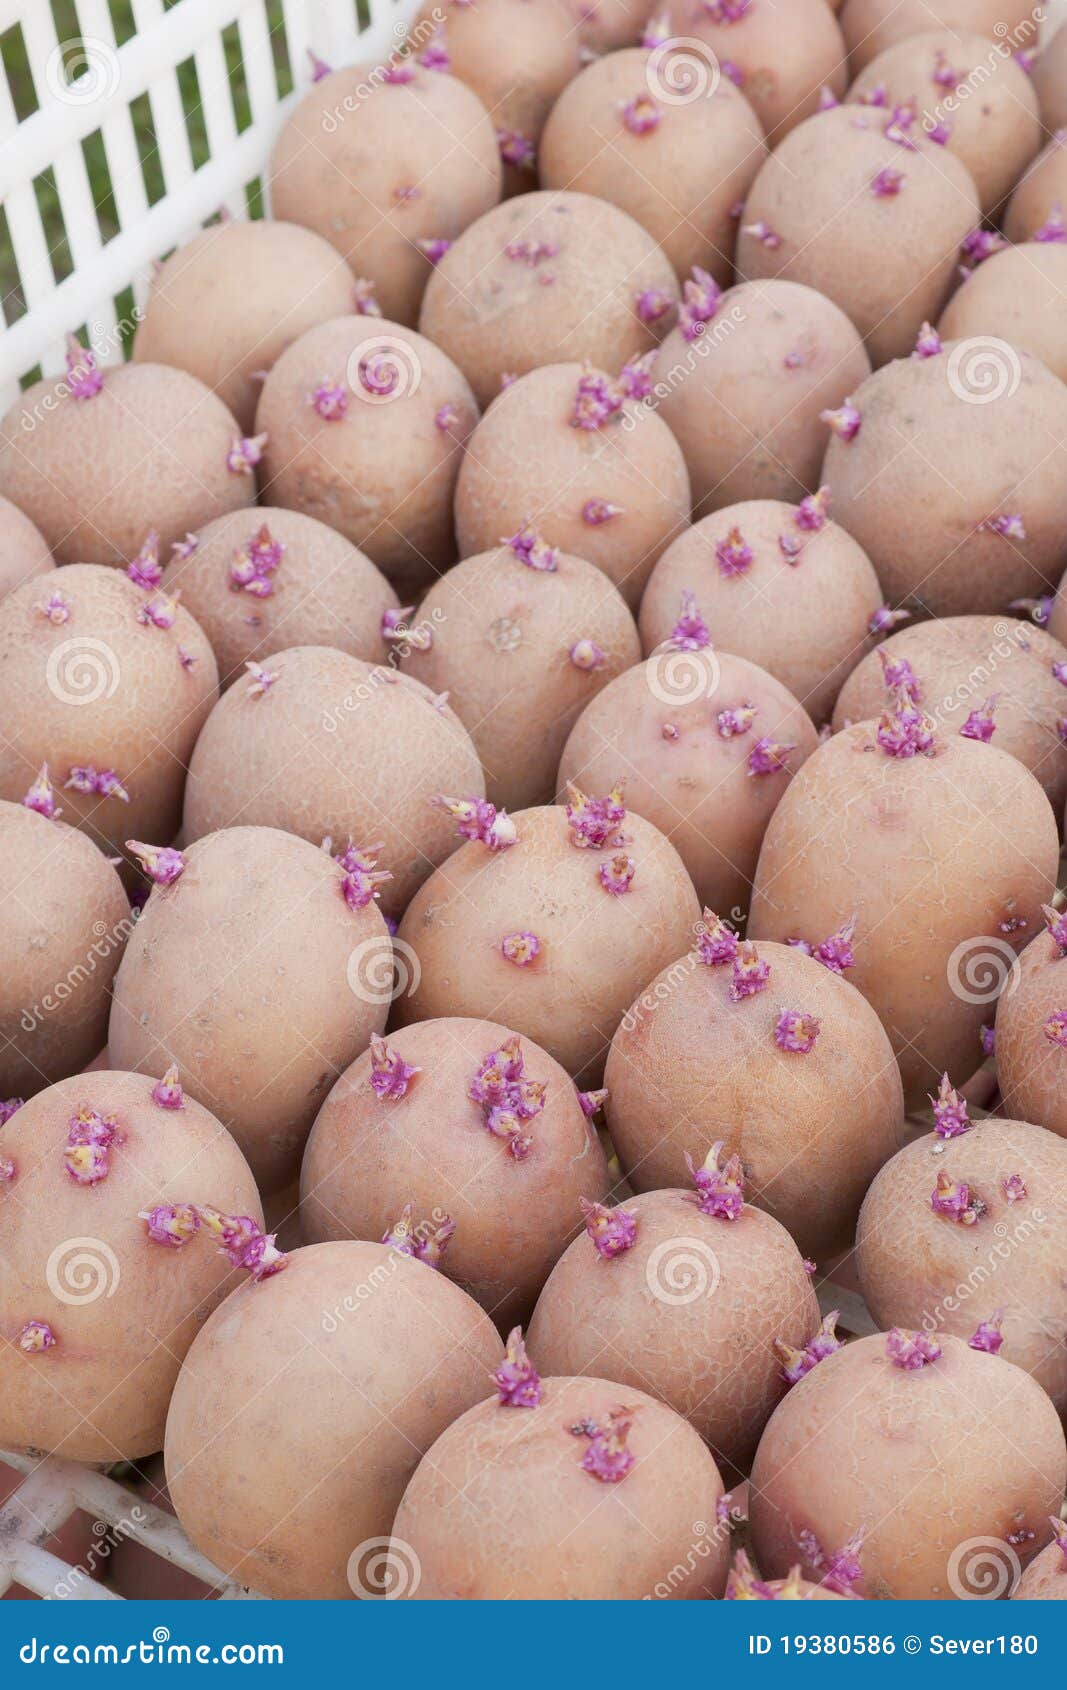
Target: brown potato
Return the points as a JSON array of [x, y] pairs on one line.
[[335, 747], [943, 859], [512, 648], [23, 549], [596, 949], [744, 399], [679, 167], [690, 1313], [380, 167], [324, 591], [502, 1508], [931, 1463], [369, 1155], [65, 919], [658, 728], [1044, 1579], [890, 262], [122, 1309], [495, 313], [1016, 295], [616, 494], [228, 302], [960, 663], [983, 97], [802, 611], [919, 1268], [241, 974], [689, 1067], [606, 25], [93, 692], [1050, 80], [784, 55], [383, 472], [870, 26], [149, 450], [1030, 1057], [954, 455], [347, 1366], [1038, 205]]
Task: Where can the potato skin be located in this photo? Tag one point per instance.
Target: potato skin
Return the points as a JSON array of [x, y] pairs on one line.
[[495, 315], [337, 748], [691, 1312], [785, 55], [65, 921], [1029, 1066], [1050, 81], [806, 623], [368, 1156], [123, 1309], [352, 147], [966, 844], [94, 475], [689, 1068], [870, 26], [1040, 195], [597, 950], [239, 973], [501, 1507], [923, 1270], [1044, 1580], [305, 1405], [966, 1448], [891, 264], [525, 458], [1015, 296], [680, 180], [695, 787], [102, 690], [995, 135], [23, 549], [228, 302], [384, 474], [930, 467], [503, 633], [326, 591], [747, 421]]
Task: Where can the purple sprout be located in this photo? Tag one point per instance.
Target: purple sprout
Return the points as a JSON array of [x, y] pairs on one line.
[[794, 1031], [55, 609], [717, 943], [171, 1224], [911, 1350], [476, 818], [652, 304], [730, 723], [796, 1364], [1055, 1028], [768, 757], [617, 874], [595, 822], [595, 512], [592, 1101], [36, 1337], [904, 730], [517, 1379], [885, 619], [105, 783], [690, 632], [607, 1457], [888, 183], [951, 1116], [434, 247], [1054, 229], [329, 399], [1056, 923], [612, 1231], [900, 676], [167, 1093], [84, 379], [162, 863], [364, 300], [516, 149], [980, 724], [435, 55], [523, 948], [845, 422], [260, 680], [929, 343], [42, 796], [533, 551], [641, 115], [145, 570], [762, 232], [733, 555], [812, 512], [361, 877], [701, 297], [390, 1075], [1014, 1188], [720, 1184], [955, 1201], [835, 952], [750, 974], [586, 655], [988, 1336], [245, 453]]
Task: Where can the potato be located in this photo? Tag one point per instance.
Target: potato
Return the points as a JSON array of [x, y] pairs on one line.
[[520, 651], [745, 396], [1018, 296], [382, 163], [922, 1268], [576, 952], [689, 1311], [346, 1368], [678, 167], [956, 483], [365, 424], [1029, 1037], [956, 83], [782, 56], [65, 920], [870, 26], [689, 1067], [321, 590], [891, 261], [326, 746], [514, 1201], [802, 610], [1044, 1580], [544, 279], [228, 302], [120, 1309], [944, 860], [1050, 81], [23, 549], [708, 744], [962, 662], [615, 494], [1036, 208], [94, 467], [501, 1506], [929, 1462], [517, 55], [110, 702], [240, 973], [605, 25]]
